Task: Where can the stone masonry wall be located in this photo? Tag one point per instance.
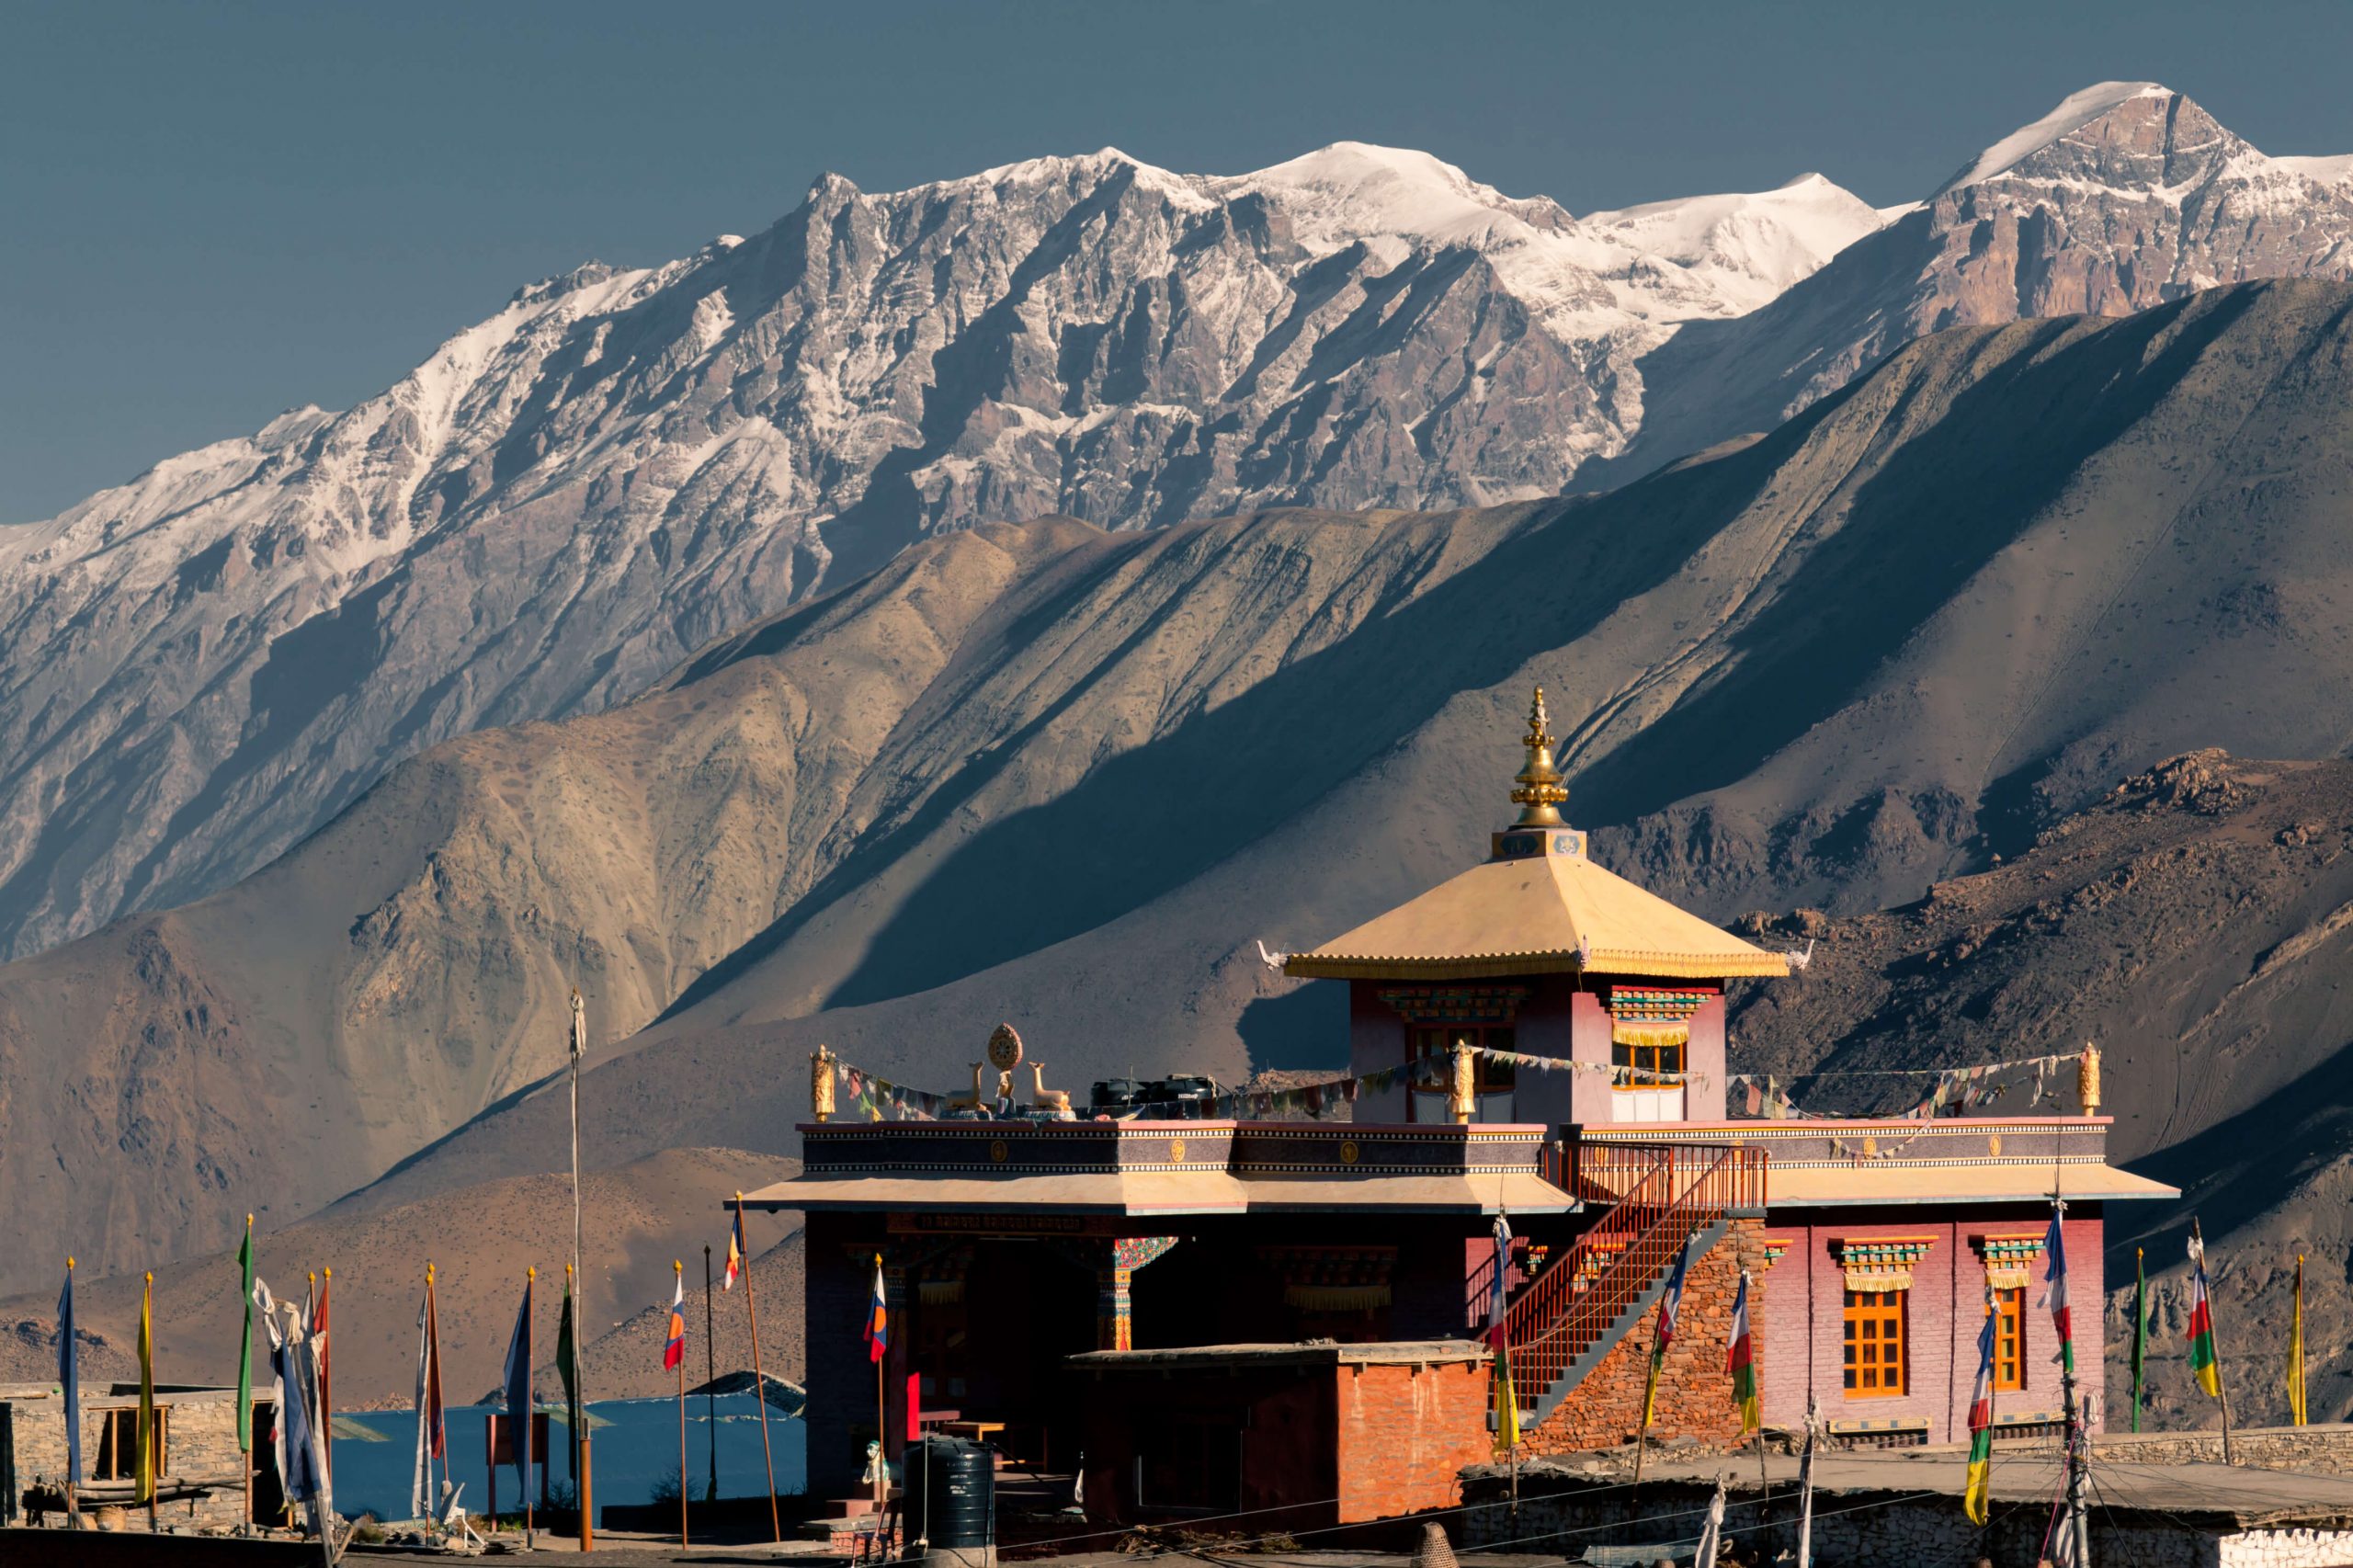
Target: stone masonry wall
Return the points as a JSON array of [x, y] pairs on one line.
[[1855, 1530], [1694, 1391], [2323, 1450], [200, 1444]]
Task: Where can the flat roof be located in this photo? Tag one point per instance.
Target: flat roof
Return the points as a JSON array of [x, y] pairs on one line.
[[1324, 1353], [2214, 1495]]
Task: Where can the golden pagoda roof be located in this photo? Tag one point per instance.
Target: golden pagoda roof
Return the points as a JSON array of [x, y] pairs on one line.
[[1550, 913], [1538, 906]]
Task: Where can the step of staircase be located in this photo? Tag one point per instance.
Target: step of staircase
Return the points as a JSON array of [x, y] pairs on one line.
[[1703, 1240]]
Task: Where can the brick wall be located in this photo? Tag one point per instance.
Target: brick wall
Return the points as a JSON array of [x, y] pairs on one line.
[[1405, 1434], [1801, 1319], [1694, 1391]]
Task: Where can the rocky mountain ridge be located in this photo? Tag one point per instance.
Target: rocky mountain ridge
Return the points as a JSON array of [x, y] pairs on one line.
[[1071, 777], [571, 496]]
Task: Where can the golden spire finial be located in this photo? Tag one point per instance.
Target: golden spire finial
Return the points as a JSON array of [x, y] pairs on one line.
[[1538, 791]]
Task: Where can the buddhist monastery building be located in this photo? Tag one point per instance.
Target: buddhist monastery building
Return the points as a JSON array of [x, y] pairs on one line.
[[1227, 1315]]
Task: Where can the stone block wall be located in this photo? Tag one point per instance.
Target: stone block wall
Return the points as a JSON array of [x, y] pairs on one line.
[[1694, 1391], [1855, 1529], [2323, 1450], [201, 1445]]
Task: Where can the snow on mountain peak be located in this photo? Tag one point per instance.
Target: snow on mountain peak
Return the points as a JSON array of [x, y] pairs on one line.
[[2073, 112], [1750, 245]]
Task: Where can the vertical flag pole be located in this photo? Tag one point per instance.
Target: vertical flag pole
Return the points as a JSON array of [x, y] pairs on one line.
[[678, 1267], [2296, 1349], [69, 1377], [759, 1379], [1805, 1489], [326, 1373], [147, 1455], [881, 1420], [246, 1375], [530, 1408], [579, 1049], [2140, 1329], [709, 1377], [2222, 1392]]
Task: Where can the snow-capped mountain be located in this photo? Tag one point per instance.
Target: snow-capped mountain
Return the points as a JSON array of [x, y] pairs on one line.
[[204, 664], [572, 494], [2126, 195]]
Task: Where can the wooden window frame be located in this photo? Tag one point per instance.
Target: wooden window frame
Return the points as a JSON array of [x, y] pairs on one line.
[[1651, 1059], [117, 1455], [2009, 1339], [1878, 1319]]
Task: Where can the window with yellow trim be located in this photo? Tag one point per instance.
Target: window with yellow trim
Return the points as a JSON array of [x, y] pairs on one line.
[[1874, 1335], [2009, 1338], [1645, 1060]]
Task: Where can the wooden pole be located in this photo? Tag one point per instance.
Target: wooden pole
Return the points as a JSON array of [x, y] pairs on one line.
[[679, 1268], [759, 1381]]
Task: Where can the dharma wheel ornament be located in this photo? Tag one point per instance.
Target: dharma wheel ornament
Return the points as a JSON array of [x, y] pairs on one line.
[[1538, 791], [821, 1082]]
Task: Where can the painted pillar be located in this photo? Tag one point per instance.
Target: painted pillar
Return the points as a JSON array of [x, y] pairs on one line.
[[1114, 1275]]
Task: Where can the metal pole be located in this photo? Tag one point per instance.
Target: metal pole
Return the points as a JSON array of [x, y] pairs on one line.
[[1805, 1489], [679, 1268], [579, 1318], [759, 1381], [709, 1377]]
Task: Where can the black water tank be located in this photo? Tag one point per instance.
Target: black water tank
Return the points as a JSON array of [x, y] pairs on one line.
[[951, 1492]]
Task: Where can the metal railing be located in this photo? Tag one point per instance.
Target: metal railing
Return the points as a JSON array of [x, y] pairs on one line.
[[1659, 1195]]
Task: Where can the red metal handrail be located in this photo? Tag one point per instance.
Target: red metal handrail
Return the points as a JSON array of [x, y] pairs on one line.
[[1659, 1196]]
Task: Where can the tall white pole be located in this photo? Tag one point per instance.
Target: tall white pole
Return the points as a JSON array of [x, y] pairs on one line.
[[579, 1300]]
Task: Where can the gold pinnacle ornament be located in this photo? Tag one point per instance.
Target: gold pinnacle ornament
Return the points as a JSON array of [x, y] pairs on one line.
[[1539, 792]]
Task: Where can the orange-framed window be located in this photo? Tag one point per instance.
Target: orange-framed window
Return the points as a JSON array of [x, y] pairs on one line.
[[2009, 1338], [1875, 1360], [1646, 1060]]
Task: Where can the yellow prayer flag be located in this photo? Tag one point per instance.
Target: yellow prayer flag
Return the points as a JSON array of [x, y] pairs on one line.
[[145, 1483], [2296, 1350]]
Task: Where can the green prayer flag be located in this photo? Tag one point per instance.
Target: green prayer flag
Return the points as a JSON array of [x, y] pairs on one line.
[[245, 1349]]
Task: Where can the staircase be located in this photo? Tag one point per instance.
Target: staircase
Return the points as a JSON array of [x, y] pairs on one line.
[[1660, 1198]]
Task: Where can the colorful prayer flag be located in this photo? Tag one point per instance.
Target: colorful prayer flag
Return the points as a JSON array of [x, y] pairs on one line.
[[431, 1438], [2204, 1365], [2055, 1284], [69, 1377], [144, 1486], [2296, 1349], [1669, 1306], [878, 1321], [1506, 1398], [1741, 1360], [1977, 1498], [245, 1344], [736, 1252], [517, 1384], [674, 1349]]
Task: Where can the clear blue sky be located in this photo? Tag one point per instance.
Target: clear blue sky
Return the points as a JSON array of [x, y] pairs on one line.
[[208, 213]]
